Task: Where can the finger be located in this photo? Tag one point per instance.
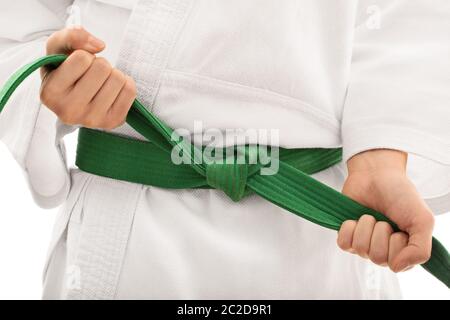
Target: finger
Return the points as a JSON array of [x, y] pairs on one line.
[[68, 40], [362, 235], [69, 72], [119, 110], [109, 91], [418, 249], [91, 82], [397, 242], [379, 244], [345, 235]]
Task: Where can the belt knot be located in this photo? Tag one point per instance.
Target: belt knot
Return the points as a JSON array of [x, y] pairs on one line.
[[231, 178]]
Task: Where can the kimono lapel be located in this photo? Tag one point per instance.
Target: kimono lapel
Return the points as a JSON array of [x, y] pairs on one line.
[[151, 34]]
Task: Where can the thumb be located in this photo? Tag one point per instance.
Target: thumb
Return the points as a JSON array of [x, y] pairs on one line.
[[71, 39], [418, 249]]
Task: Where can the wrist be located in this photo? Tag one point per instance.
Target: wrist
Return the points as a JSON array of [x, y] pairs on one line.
[[377, 160]]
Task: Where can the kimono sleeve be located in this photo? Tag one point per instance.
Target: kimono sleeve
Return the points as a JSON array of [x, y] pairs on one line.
[[27, 128], [399, 89]]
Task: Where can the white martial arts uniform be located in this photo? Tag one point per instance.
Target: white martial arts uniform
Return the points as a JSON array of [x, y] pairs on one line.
[[325, 73]]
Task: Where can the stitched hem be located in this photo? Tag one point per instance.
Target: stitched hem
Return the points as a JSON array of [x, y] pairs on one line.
[[400, 138], [409, 140]]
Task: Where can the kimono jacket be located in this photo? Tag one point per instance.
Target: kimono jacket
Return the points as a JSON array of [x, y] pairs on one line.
[[355, 74]]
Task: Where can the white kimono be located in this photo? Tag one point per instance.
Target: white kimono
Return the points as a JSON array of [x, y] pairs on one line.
[[325, 73]]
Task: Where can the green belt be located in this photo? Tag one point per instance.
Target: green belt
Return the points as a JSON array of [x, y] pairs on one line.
[[149, 162]]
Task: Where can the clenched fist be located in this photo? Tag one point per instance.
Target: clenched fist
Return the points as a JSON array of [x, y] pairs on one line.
[[85, 90], [377, 179]]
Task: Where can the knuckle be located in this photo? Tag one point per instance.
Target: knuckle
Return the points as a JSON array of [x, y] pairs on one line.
[[110, 124], [428, 220], [378, 257], [81, 58], [76, 37], [130, 87], [344, 239], [67, 116], [48, 95], [399, 237], [72, 36], [117, 74], [52, 40], [113, 121], [118, 122], [425, 219], [118, 78], [394, 268], [120, 111], [383, 225], [106, 123], [367, 218], [425, 255], [90, 122], [395, 265], [349, 225], [102, 64], [361, 249], [343, 243]]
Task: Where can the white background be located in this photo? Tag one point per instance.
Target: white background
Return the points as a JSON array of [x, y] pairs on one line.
[[25, 232]]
